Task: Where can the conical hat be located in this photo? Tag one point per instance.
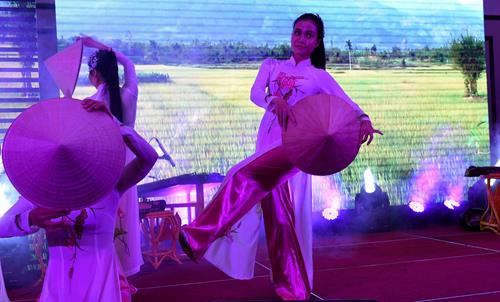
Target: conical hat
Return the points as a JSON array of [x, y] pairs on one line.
[[58, 155], [326, 137], [64, 67]]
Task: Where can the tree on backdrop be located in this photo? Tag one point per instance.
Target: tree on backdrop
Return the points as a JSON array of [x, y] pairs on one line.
[[467, 54], [348, 45]]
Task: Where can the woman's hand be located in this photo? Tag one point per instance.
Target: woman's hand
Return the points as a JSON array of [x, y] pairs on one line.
[[42, 217], [93, 105], [283, 112], [90, 42], [367, 131]]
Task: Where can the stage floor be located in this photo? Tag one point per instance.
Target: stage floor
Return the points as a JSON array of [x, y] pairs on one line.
[[430, 264]]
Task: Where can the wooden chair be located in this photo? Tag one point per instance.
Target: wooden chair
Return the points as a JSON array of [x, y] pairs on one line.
[[490, 218], [159, 227]]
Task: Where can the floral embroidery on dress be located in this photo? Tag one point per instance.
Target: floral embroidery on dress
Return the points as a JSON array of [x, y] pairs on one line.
[[286, 84], [234, 230], [121, 232], [73, 231]]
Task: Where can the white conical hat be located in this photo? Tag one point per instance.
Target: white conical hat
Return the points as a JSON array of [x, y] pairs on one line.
[[64, 67], [326, 137], [58, 155]]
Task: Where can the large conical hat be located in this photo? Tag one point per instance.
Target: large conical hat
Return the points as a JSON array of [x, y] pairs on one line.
[[64, 67], [58, 155], [326, 137]]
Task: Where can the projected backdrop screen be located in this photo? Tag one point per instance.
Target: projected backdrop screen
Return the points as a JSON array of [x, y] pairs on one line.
[[197, 60]]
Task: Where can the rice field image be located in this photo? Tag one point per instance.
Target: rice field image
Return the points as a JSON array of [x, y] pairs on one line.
[[206, 121]]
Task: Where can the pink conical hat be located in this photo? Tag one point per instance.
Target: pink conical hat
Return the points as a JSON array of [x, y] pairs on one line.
[[64, 67], [326, 137], [58, 155]]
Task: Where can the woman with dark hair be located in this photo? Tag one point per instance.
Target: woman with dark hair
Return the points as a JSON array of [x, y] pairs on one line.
[[103, 74], [268, 177], [122, 103]]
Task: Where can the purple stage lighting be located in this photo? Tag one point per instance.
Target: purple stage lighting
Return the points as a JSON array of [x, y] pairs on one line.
[[451, 204], [369, 181], [455, 193], [327, 194], [330, 213], [416, 206]]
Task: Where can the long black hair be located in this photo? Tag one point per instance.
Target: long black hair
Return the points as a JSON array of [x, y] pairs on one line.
[[107, 66], [318, 56]]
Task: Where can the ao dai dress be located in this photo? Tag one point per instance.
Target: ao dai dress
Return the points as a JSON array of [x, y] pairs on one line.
[[235, 253]]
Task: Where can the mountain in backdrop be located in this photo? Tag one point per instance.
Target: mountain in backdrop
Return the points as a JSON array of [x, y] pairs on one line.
[[385, 23]]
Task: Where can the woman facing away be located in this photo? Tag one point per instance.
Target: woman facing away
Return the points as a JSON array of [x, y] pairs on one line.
[[122, 102], [231, 221], [82, 268]]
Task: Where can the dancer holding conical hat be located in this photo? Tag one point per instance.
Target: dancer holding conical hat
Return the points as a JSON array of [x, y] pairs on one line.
[[226, 232]]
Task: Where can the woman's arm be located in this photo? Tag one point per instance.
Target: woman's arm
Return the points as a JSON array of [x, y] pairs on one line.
[[90, 42], [331, 87], [15, 222], [129, 90], [129, 74], [259, 93], [128, 66], [139, 167], [23, 218], [261, 96], [145, 155]]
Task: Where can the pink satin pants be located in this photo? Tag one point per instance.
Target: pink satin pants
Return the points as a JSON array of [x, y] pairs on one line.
[[262, 179]]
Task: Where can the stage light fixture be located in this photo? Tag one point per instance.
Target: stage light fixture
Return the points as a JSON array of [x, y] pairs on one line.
[[476, 204], [372, 205], [371, 197], [365, 201]]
